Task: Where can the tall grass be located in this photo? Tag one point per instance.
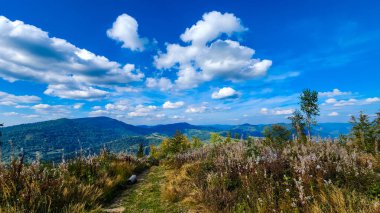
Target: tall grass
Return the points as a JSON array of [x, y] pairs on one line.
[[79, 185], [252, 176]]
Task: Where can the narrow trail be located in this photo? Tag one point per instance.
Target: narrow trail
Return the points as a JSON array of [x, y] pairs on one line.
[[117, 204], [145, 196]]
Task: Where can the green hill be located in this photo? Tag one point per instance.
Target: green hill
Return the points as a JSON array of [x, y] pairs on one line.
[[68, 136]]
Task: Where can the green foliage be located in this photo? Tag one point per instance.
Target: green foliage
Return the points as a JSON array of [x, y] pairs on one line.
[[215, 138], [1, 143], [228, 138], [50, 137], [298, 125], [177, 144], [276, 135], [365, 132], [140, 152], [236, 136], [309, 106], [196, 143]]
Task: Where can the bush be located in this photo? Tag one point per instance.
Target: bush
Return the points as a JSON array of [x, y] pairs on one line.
[[171, 146]]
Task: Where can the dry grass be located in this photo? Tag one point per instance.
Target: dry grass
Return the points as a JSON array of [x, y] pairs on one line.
[[80, 185], [255, 177]]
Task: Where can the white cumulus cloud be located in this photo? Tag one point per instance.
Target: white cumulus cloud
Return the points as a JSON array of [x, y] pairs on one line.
[[283, 112], [208, 57], [331, 101], [196, 109], [78, 105], [7, 99], [162, 84], [142, 111], [225, 93], [333, 114], [372, 100], [30, 54], [125, 30], [171, 105], [333, 93], [211, 26], [264, 111]]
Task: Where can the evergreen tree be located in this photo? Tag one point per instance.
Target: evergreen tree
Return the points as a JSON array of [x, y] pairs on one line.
[[276, 135], [1, 144], [178, 143], [215, 138], [298, 125], [228, 138], [140, 152], [309, 106], [153, 152], [377, 132], [363, 132], [197, 143], [236, 136]]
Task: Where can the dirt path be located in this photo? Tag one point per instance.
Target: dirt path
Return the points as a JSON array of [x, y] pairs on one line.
[[145, 196], [117, 204]]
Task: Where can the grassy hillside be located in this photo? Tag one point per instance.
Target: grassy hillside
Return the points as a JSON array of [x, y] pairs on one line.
[[254, 176], [224, 174]]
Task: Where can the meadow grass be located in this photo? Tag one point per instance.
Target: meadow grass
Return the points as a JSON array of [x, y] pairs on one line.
[[253, 176], [147, 196], [79, 185]]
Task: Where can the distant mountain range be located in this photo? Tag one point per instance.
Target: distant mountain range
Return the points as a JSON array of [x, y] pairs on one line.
[[55, 138]]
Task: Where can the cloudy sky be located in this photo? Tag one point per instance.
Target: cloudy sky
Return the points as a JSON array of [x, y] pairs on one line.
[[214, 62]]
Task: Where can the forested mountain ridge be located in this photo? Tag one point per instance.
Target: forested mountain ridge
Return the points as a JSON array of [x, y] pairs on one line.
[[55, 138]]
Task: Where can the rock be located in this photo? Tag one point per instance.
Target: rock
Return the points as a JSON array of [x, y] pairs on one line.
[[132, 180]]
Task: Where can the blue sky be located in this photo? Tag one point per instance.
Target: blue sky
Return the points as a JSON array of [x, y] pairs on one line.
[[202, 62]]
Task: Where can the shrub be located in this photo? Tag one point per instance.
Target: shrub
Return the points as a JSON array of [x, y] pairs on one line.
[[171, 146]]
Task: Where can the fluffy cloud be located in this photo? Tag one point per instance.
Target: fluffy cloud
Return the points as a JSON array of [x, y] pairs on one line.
[[162, 84], [124, 30], [10, 113], [142, 111], [75, 92], [99, 112], [211, 26], [118, 107], [160, 115], [175, 105], [7, 99], [225, 93], [372, 100], [195, 109], [177, 117], [53, 110], [78, 105], [28, 53], [333, 114], [348, 102], [351, 101], [331, 101], [335, 92], [207, 57], [264, 111], [283, 112]]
